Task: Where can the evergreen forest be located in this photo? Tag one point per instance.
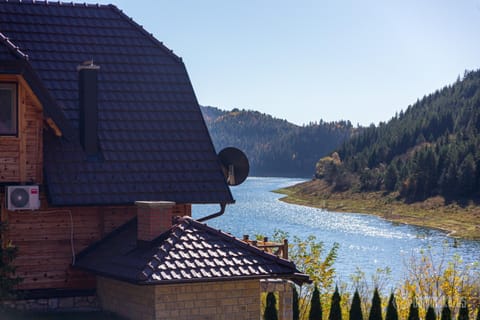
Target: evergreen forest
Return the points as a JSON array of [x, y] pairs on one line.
[[430, 149]]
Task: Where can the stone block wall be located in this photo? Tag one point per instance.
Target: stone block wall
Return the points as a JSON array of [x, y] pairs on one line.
[[60, 304], [233, 300], [126, 299]]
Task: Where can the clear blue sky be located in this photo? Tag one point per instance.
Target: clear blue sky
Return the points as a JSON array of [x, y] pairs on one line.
[[310, 59]]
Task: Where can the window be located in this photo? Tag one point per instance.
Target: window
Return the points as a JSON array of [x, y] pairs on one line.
[[8, 109]]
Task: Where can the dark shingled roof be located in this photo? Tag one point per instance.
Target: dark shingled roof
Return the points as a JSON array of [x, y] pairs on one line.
[[154, 143], [188, 252]]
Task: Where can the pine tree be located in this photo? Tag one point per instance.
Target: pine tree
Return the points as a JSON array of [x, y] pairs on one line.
[[295, 304], [315, 306], [376, 309], [271, 308], [413, 312], [463, 312], [446, 312], [391, 178], [392, 313], [335, 309], [467, 175], [430, 314], [356, 307]]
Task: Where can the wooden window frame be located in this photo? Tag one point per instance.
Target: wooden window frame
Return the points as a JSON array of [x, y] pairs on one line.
[[12, 86]]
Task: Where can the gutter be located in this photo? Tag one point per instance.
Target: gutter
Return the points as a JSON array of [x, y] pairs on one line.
[[223, 206]]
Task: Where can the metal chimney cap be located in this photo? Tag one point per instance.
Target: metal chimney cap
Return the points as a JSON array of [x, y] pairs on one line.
[[88, 65]]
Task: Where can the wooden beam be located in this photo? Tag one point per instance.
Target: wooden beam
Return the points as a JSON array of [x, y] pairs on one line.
[[54, 127], [22, 133]]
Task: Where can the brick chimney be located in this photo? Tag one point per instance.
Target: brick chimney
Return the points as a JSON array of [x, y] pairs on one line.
[[153, 218]]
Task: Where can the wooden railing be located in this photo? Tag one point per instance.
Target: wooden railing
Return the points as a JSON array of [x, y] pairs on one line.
[[278, 249]]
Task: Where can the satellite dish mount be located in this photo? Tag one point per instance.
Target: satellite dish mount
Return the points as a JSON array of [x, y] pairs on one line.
[[235, 165]]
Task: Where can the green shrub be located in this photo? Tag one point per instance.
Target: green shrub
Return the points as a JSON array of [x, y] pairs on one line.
[[376, 309], [392, 313], [315, 306], [271, 308], [356, 307], [335, 309]]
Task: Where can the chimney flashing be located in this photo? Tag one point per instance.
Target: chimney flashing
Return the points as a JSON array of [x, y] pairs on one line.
[[155, 204]]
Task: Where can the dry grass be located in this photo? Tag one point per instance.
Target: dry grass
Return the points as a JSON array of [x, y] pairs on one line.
[[460, 220]]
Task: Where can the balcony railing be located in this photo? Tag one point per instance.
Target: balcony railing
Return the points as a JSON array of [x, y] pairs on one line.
[[276, 248]]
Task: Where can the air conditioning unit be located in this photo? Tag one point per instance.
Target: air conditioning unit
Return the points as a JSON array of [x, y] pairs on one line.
[[22, 198]]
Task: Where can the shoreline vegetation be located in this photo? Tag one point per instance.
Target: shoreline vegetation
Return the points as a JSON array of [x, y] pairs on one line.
[[459, 220]]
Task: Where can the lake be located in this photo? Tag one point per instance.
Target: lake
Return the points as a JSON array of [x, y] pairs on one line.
[[366, 241]]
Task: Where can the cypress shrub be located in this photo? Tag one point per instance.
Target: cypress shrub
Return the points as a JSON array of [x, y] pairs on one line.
[[356, 307], [376, 309], [315, 306], [335, 309], [392, 313], [295, 304], [271, 308], [463, 312], [430, 314], [446, 312], [8, 277], [413, 312]]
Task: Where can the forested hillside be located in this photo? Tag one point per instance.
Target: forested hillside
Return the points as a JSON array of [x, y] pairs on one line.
[[433, 148], [275, 147]]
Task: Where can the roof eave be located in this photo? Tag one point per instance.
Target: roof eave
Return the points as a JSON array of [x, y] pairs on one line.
[[50, 106], [297, 278]]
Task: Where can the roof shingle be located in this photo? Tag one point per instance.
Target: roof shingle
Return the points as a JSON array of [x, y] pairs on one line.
[[153, 140], [189, 251]]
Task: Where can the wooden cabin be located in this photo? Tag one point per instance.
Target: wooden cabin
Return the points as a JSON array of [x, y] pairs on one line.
[[96, 115]]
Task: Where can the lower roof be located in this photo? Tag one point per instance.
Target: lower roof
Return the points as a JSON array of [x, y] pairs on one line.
[[188, 252]]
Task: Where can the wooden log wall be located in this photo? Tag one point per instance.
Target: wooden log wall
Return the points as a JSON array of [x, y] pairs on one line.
[[44, 239], [21, 156], [47, 238]]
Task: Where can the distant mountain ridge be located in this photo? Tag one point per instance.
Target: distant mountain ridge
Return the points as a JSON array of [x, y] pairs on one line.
[[275, 147]]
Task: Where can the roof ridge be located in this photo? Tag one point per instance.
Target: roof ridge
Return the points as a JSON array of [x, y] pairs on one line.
[[57, 3], [146, 33], [229, 237], [14, 48], [162, 250]]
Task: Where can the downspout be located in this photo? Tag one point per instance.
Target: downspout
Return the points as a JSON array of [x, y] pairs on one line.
[[223, 205]]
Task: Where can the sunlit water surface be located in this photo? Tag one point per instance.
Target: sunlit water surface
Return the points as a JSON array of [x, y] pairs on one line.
[[367, 242]]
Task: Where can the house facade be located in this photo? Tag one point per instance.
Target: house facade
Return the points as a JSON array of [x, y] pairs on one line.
[[102, 147]]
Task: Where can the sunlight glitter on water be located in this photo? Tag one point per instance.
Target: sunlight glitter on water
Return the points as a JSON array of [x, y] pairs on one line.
[[366, 241]]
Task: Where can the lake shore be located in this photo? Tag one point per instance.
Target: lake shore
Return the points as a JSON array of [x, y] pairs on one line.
[[459, 220]]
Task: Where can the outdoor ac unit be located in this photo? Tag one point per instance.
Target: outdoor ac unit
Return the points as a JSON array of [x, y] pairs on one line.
[[22, 198]]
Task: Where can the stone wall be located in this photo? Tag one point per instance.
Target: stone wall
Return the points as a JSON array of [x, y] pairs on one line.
[[125, 299], [78, 303], [233, 300]]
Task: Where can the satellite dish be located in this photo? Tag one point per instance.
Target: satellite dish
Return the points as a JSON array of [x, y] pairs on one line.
[[235, 165], [19, 197]]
